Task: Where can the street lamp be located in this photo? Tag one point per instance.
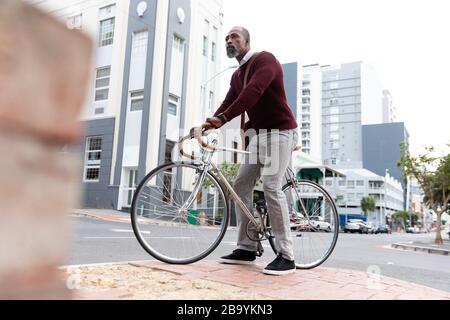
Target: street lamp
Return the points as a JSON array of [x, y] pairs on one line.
[[203, 86]]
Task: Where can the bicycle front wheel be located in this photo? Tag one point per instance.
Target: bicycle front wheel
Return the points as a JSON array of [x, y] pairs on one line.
[[179, 213], [314, 223]]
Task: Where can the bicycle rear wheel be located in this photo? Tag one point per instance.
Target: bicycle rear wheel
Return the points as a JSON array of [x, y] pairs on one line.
[[314, 223], [179, 213]]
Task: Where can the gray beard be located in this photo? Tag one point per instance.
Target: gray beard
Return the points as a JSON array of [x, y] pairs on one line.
[[232, 52]]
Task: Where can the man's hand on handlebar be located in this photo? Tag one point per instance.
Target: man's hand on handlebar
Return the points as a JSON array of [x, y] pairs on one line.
[[212, 123]]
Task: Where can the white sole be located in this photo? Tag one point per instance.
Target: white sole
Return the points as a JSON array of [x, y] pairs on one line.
[[244, 263], [278, 273]]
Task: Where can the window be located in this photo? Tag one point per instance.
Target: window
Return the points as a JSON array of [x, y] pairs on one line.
[[329, 183], [106, 32], [74, 22], [132, 183], [213, 51], [341, 183], [92, 159], [350, 196], [334, 136], [334, 127], [306, 100], [205, 46], [140, 41], [211, 100], [173, 105], [334, 110], [334, 145], [334, 119], [351, 184], [235, 155], [178, 44], [102, 83], [360, 183], [137, 100]]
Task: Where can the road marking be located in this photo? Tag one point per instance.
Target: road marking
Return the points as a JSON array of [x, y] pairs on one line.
[[128, 231], [165, 238]]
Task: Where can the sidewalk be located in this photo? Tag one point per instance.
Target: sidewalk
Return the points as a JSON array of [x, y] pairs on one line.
[[428, 247], [102, 214], [209, 280]]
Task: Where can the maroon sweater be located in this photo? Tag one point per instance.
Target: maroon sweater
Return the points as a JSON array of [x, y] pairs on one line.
[[264, 98]]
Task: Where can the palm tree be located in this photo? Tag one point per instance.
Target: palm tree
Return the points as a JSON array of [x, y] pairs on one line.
[[368, 205]]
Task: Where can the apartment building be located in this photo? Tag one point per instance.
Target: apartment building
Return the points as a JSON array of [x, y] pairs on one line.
[[149, 83]]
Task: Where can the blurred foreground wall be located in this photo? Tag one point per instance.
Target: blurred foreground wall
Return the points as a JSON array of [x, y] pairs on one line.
[[44, 71]]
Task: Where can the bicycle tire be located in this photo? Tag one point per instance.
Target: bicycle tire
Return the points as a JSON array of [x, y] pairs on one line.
[[317, 262], [157, 251]]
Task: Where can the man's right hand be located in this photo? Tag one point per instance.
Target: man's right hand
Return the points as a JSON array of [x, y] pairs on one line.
[[212, 123]]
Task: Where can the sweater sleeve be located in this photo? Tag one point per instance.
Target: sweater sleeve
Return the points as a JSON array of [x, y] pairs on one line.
[[229, 99], [265, 72]]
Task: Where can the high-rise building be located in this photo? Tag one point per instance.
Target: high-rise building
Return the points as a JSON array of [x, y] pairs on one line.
[[389, 109], [149, 81], [351, 97]]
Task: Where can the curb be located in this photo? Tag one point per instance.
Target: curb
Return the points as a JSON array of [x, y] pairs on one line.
[[411, 247]]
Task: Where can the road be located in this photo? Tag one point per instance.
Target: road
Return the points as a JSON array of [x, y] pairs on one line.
[[96, 241]]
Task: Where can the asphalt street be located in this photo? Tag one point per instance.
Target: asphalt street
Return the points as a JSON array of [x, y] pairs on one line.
[[96, 241]]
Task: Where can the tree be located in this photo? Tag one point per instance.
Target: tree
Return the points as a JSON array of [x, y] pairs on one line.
[[403, 216], [229, 170], [368, 205], [433, 175]]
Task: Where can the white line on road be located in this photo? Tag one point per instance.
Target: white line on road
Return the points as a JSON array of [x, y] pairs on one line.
[[128, 231], [165, 238]]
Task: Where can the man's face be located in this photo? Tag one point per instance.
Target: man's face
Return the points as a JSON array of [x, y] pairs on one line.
[[236, 44]]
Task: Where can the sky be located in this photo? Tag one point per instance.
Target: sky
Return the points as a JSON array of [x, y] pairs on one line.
[[407, 42]]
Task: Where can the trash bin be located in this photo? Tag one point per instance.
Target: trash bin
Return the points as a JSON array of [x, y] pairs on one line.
[[193, 216]]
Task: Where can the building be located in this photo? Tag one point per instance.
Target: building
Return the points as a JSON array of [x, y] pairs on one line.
[[389, 109], [304, 91], [381, 151], [149, 82], [351, 97], [360, 183]]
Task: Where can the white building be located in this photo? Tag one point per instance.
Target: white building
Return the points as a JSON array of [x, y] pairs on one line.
[[310, 117], [389, 109], [360, 183], [149, 75]]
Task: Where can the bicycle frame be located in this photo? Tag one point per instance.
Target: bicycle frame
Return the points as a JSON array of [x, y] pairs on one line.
[[207, 165]]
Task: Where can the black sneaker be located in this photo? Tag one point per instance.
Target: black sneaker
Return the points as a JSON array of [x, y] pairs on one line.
[[239, 257], [280, 266]]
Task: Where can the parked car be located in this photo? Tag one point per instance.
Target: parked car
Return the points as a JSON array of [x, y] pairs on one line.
[[412, 230], [320, 224], [369, 228], [355, 226], [383, 229]]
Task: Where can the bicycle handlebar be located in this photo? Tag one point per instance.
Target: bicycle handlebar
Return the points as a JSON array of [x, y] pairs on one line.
[[198, 134]]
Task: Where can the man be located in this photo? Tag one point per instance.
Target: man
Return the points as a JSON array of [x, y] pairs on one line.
[[265, 102]]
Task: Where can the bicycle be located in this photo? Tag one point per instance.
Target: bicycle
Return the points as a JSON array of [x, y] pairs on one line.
[[181, 211]]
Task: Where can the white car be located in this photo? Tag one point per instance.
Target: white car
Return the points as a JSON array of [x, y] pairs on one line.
[[320, 224], [355, 225]]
